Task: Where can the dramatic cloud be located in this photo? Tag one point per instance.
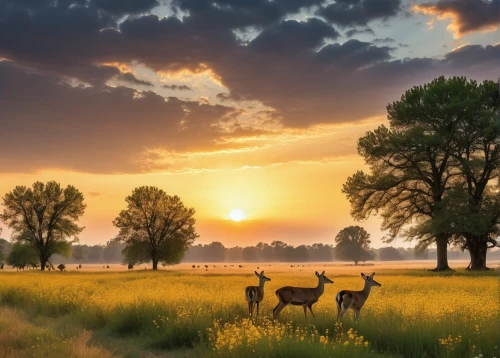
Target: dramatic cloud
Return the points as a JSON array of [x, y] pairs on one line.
[[359, 12], [49, 124], [386, 40], [292, 37], [129, 77], [178, 87], [288, 74], [354, 32], [467, 16]]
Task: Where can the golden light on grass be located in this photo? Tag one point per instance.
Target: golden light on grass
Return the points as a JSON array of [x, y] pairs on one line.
[[237, 215]]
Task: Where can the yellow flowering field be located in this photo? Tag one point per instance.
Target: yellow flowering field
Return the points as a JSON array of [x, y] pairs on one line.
[[413, 314]]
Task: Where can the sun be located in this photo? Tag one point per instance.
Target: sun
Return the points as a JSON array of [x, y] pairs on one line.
[[237, 215]]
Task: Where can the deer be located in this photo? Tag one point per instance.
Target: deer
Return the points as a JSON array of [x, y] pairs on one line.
[[301, 296], [355, 300], [255, 294]]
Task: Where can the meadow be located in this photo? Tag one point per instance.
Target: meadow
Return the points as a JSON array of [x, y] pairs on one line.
[[197, 313]]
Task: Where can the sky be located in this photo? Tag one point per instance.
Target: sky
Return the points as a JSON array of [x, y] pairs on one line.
[[254, 105]]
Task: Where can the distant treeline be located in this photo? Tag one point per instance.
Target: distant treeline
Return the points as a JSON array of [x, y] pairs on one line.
[[277, 251], [281, 252]]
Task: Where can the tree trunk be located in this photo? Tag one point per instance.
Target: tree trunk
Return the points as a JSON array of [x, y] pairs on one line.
[[442, 253], [43, 263], [155, 264], [477, 250]]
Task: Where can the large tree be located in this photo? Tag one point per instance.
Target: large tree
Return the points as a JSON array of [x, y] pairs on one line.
[[471, 142], [155, 227], [353, 243], [416, 163], [44, 217]]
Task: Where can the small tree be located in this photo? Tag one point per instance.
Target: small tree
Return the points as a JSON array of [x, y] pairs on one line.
[[22, 255], [352, 244], [155, 226], [44, 217]]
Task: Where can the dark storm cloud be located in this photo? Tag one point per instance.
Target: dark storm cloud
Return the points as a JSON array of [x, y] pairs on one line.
[[386, 40], [124, 7], [469, 15], [353, 54], [354, 32], [292, 37], [359, 12], [286, 67], [233, 14], [129, 77], [178, 87], [112, 7], [109, 127]]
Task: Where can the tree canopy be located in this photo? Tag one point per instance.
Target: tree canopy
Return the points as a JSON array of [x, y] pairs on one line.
[[432, 166], [44, 217], [23, 255], [155, 227], [353, 243]]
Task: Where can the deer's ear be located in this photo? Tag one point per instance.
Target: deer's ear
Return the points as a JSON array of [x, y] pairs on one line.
[[323, 273], [317, 274], [373, 274], [256, 274], [363, 276], [261, 273]]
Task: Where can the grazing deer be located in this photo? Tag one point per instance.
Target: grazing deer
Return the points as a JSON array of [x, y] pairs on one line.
[[346, 299], [206, 267], [301, 296], [240, 266], [255, 294]]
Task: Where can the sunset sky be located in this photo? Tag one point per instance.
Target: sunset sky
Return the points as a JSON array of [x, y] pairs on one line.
[[231, 104]]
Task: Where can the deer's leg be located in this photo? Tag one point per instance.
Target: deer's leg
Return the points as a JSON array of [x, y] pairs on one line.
[[346, 304], [310, 309], [356, 314], [258, 308], [278, 309], [344, 308], [305, 312]]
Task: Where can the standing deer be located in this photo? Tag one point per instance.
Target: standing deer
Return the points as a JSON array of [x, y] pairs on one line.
[[255, 294], [346, 299], [301, 296]]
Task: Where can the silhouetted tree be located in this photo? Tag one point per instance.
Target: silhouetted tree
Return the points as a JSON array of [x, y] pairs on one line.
[[266, 252], [79, 252], [320, 252], [249, 254], [389, 254], [215, 252], [352, 244], [95, 253], [234, 254], [157, 226], [279, 250], [44, 217], [112, 252]]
